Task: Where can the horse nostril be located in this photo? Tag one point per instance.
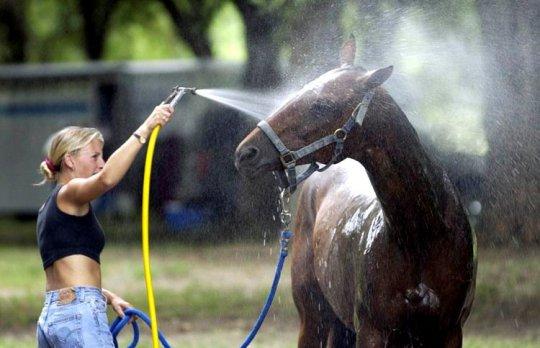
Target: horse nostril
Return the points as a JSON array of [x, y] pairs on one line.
[[248, 154]]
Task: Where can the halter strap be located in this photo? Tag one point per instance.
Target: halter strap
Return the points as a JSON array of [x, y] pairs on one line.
[[288, 178]]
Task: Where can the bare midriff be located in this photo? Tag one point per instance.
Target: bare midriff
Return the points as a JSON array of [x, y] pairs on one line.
[[73, 270]]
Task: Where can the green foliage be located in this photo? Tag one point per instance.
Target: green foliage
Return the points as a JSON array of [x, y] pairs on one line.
[[54, 31], [491, 341], [143, 31], [138, 31], [445, 65], [227, 34]]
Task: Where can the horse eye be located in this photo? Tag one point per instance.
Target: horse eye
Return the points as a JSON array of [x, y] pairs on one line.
[[322, 108]]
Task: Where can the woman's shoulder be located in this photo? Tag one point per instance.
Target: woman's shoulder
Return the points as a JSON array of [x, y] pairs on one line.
[[68, 204]]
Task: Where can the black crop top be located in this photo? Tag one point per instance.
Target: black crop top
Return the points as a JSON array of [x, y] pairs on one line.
[[60, 234]]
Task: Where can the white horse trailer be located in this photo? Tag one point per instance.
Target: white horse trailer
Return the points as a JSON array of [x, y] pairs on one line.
[[37, 100]]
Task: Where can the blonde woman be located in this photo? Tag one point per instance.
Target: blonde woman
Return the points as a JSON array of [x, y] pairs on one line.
[[70, 238]]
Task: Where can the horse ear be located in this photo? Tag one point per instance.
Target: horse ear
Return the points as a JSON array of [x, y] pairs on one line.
[[379, 76], [348, 51]]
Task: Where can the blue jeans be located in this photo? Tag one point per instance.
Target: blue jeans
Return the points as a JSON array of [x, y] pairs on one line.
[[74, 317]]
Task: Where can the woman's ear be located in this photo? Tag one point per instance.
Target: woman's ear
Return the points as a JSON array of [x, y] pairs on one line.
[[68, 161]]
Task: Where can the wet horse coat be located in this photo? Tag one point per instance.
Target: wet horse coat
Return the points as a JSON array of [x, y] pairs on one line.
[[383, 253]]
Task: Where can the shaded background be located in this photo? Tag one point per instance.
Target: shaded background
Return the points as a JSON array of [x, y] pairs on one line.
[[466, 75]]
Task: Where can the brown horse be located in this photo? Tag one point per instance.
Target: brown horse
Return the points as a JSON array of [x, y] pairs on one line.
[[383, 254]]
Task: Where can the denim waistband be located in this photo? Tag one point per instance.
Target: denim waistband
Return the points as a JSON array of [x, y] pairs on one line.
[[74, 292]]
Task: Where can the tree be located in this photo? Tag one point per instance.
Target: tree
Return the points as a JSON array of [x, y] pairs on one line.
[[13, 28], [261, 22], [309, 30], [96, 16], [510, 30], [192, 20]]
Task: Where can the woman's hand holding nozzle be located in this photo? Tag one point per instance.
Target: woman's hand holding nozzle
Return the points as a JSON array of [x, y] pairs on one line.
[[161, 115]]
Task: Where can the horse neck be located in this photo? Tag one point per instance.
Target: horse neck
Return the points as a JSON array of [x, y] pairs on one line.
[[417, 199]]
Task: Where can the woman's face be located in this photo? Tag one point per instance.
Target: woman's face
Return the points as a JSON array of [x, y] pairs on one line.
[[88, 160]]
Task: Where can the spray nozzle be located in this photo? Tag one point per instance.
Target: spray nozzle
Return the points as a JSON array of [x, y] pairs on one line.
[[177, 93], [192, 90]]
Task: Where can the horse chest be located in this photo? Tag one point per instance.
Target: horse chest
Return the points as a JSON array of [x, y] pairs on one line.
[[340, 238]]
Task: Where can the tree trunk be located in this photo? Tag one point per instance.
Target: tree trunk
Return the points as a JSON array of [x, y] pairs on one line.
[[192, 24], [262, 70], [95, 15], [14, 24], [511, 190]]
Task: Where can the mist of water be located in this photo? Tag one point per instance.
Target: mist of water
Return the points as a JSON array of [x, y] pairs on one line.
[[256, 105]]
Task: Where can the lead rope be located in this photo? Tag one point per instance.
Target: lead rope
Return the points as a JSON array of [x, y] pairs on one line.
[[286, 235]]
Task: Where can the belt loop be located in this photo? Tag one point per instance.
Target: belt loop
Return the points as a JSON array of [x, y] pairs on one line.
[[79, 293], [50, 296], [54, 293]]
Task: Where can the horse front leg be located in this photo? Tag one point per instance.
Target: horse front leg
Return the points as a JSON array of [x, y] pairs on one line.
[[454, 339], [340, 336], [315, 313], [367, 335]]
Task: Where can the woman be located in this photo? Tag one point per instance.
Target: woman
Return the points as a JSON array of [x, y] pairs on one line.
[[70, 238]]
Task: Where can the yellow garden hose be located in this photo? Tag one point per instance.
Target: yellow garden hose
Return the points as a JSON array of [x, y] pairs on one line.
[[146, 234], [172, 100]]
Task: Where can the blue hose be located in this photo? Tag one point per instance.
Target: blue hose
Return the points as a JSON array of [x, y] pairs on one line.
[[284, 243], [119, 323]]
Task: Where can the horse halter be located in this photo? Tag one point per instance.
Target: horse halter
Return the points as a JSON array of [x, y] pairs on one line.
[[288, 177]]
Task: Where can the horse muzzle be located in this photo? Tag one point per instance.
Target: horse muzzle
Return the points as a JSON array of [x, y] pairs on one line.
[[249, 162], [246, 160]]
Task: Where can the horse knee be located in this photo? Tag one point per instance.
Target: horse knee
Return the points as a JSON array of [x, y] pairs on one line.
[[368, 336], [340, 336], [454, 339], [313, 333]]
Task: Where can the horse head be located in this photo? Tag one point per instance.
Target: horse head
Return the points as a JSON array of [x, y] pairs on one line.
[[320, 109]]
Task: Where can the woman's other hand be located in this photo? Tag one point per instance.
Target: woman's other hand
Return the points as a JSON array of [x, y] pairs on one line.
[[118, 304]]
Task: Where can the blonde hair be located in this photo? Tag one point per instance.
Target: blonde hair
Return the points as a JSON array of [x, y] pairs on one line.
[[68, 140]]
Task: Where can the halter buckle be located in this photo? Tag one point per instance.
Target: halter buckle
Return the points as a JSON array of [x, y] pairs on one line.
[[341, 134], [288, 159]]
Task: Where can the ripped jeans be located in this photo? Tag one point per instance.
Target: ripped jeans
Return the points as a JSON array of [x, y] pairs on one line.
[[74, 317]]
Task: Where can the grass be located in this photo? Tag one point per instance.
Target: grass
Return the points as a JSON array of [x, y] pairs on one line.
[[270, 336], [208, 296]]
